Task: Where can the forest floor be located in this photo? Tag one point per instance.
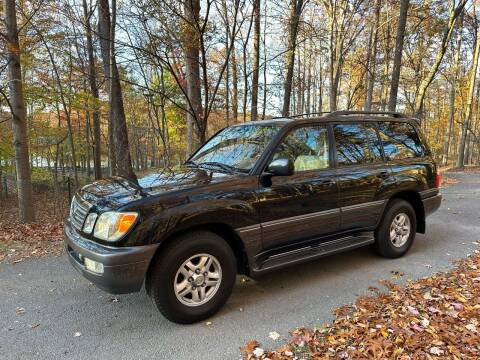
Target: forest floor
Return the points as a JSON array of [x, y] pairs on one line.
[[48, 310], [19, 241]]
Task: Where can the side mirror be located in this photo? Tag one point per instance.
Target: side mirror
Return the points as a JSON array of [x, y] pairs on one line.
[[281, 167]]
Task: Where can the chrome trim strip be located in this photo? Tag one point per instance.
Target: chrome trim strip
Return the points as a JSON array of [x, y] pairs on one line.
[[249, 228], [300, 217], [310, 216], [363, 205]]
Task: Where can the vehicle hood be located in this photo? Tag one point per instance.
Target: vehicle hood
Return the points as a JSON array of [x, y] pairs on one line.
[[114, 192]]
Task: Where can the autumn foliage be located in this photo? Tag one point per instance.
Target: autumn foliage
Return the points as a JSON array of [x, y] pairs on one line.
[[432, 318]]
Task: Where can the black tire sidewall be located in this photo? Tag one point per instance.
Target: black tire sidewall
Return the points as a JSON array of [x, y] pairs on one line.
[[167, 265], [383, 243]]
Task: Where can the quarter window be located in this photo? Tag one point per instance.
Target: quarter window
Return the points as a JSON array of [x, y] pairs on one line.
[[400, 140], [307, 147], [357, 144]]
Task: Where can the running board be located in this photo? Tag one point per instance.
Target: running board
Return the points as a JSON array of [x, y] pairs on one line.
[[310, 252]]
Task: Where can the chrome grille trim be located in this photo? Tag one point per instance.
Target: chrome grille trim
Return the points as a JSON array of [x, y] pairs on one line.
[[79, 211]]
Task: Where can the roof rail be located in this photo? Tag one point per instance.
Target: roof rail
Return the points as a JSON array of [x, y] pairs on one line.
[[308, 114], [357, 112]]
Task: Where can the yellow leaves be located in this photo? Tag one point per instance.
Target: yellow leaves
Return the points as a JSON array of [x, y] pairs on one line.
[[435, 317]]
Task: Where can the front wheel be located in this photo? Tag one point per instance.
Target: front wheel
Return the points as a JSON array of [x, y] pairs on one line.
[[193, 277], [397, 230]]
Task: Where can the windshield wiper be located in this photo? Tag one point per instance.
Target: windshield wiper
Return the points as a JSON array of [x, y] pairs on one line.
[[225, 167], [191, 163]]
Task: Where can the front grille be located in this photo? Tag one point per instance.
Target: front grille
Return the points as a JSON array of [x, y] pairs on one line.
[[78, 211]]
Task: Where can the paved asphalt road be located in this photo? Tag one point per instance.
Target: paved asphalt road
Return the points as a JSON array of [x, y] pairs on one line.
[[58, 302]]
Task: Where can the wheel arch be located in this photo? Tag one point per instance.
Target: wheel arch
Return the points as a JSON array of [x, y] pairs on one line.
[[414, 199], [223, 230]]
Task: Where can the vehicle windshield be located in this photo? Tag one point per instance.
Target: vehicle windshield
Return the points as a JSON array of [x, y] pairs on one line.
[[236, 147]]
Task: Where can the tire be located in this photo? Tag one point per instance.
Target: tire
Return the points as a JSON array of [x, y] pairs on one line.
[[179, 259], [391, 240]]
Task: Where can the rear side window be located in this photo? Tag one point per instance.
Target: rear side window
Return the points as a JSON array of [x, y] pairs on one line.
[[400, 140], [357, 143]]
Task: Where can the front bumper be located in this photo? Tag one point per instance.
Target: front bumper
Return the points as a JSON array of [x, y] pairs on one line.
[[124, 267]]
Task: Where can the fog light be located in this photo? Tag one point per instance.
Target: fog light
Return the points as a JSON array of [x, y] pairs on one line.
[[93, 266]]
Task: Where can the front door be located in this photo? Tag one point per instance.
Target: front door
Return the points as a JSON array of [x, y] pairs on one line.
[[362, 174], [303, 205]]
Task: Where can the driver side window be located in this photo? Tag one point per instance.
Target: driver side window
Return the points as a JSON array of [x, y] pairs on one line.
[[307, 147]]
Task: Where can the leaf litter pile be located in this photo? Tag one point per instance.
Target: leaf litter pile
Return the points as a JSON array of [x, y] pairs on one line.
[[436, 317], [22, 241]]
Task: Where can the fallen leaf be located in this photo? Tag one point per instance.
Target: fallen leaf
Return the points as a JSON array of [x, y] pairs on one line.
[[20, 311], [258, 352], [274, 335], [436, 351]]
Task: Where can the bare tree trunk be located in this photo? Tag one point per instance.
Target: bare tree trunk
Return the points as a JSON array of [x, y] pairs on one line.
[[309, 83], [397, 59], [264, 43], [119, 147], [92, 79], [372, 57], [191, 45], [453, 13], [245, 73], [468, 110], [296, 7], [19, 116], [453, 83], [227, 73], [256, 59], [234, 85]]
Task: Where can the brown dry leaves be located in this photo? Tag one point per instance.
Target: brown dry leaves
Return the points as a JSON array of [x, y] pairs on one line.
[[432, 318], [22, 241]]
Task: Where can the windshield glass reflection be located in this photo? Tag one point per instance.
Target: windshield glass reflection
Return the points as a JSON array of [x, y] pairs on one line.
[[236, 147]]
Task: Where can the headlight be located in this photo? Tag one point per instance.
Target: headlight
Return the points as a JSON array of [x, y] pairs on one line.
[[112, 225], [89, 223]]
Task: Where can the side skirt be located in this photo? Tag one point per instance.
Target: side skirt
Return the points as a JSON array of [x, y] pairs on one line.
[[305, 252]]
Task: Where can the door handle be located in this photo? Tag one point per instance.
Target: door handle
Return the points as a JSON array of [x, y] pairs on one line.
[[383, 174], [326, 182]]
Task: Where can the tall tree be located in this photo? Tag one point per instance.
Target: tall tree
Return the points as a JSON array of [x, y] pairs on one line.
[[19, 115], [191, 45], [296, 7], [92, 79], [372, 57], [119, 151], [342, 34], [256, 59], [452, 93], [469, 106], [397, 59], [453, 12]]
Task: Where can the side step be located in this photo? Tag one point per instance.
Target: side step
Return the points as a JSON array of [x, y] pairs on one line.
[[310, 252]]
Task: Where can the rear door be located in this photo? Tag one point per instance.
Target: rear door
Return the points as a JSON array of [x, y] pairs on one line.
[[362, 174], [303, 205]]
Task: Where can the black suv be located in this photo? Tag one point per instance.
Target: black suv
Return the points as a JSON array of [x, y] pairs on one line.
[[256, 197]]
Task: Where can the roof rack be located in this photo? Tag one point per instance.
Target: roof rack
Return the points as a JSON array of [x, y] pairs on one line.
[[357, 112], [308, 114]]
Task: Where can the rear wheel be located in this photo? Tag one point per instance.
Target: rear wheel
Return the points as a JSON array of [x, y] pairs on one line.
[[193, 277], [397, 230]]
